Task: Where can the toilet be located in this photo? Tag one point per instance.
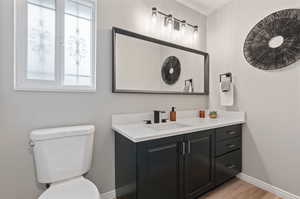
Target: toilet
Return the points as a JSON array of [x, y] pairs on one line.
[[62, 157]]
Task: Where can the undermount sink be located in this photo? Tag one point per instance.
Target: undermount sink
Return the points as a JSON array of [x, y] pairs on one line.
[[167, 126]]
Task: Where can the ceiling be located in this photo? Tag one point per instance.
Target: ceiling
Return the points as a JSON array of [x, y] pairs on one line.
[[205, 7]]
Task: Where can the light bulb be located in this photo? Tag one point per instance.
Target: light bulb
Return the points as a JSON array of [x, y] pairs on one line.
[[183, 26], [169, 25], [196, 31], [169, 21], [154, 14]]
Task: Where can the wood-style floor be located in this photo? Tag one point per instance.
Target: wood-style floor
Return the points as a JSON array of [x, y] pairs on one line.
[[237, 189]]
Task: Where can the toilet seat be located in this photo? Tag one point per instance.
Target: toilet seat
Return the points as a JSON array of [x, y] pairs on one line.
[[77, 188]]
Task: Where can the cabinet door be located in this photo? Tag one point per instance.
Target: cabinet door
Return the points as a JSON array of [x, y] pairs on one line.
[[199, 163], [160, 166]]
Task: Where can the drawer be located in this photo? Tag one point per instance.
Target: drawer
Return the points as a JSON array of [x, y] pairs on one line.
[[228, 132], [228, 166], [226, 146]]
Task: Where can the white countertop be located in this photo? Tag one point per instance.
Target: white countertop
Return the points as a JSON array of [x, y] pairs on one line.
[[132, 127]]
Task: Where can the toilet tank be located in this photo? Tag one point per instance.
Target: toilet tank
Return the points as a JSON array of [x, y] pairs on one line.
[[62, 153]]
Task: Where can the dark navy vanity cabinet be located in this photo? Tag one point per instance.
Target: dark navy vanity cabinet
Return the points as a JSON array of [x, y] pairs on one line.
[[178, 167]]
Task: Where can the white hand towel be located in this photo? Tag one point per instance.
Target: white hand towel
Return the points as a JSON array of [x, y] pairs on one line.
[[227, 98], [226, 85]]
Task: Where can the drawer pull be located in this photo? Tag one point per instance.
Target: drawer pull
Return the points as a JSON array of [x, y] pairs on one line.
[[230, 146], [231, 133], [231, 166]]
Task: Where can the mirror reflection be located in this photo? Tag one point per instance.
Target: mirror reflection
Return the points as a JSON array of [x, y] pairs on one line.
[[150, 67]]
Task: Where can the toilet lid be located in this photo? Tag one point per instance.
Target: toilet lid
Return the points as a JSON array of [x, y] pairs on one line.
[[79, 188]]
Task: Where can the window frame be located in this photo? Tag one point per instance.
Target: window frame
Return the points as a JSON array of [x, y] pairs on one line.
[[21, 83]]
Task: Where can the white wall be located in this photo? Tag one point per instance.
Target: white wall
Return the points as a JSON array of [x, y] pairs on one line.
[[22, 112], [271, 99]]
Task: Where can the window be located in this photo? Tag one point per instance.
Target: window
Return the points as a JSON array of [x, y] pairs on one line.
[[55, 45]]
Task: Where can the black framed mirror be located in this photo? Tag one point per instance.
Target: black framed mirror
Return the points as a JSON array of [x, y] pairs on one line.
[[142, 64]]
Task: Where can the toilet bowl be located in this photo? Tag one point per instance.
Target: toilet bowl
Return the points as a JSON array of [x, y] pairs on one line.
[[62, 156], [77, 188]]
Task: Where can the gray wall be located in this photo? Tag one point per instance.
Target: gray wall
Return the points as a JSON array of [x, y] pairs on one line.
[[22, 112], [271, 99]]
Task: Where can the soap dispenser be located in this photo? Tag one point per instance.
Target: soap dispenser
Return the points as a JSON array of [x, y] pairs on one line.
[[173, 115]]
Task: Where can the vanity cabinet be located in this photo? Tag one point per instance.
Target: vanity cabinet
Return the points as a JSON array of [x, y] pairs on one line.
[[177, 167]]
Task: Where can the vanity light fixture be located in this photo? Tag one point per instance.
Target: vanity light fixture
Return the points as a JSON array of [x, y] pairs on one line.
[[196, 31], [170, 21], [154, 14], [183, 24]]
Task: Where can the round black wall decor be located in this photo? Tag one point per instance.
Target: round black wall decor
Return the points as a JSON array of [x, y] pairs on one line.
[[274, 42], [171, 70]]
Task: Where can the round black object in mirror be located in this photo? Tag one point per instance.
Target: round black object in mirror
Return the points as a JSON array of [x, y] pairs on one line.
[[274, 42], [171, 70]]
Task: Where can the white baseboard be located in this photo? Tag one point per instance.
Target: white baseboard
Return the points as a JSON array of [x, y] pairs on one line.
[[267, 187], [109, 195]]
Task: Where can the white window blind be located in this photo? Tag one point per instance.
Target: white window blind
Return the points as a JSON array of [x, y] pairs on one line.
[[59, 49]]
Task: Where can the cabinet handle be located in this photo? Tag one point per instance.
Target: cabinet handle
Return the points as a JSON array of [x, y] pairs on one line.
[[183, 148], [231, 132], [230, 146], [231, 166], [189, 147]]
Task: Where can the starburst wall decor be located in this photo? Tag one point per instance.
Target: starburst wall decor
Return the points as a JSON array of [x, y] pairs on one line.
[[171, 70], [274, 42]]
